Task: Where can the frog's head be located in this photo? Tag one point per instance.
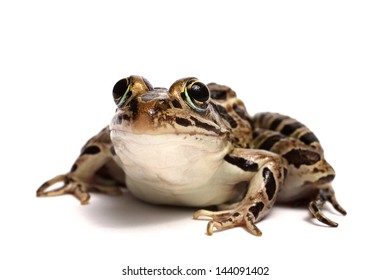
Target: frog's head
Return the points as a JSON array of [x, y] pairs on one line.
[[186, 108]]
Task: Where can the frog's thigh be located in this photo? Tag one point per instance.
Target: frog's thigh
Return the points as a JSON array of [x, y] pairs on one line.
[[264, 172]]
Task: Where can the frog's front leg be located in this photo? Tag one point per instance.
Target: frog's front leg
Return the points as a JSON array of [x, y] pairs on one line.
[[94, 169], [264, 171]]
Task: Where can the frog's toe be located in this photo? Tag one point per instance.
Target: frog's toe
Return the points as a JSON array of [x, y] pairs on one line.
[[69, 186], [222, 220], [75, 187], [332, 199], [315, 206], [315, 209]]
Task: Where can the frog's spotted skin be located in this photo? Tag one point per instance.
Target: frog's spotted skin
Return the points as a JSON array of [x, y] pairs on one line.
[[195, 145]]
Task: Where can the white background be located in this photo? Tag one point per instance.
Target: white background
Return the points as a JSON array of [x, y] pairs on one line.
[[326, 63]]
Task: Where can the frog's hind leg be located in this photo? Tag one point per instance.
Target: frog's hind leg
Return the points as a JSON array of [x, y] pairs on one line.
[[303, 158], [316, 205], [281, 126]]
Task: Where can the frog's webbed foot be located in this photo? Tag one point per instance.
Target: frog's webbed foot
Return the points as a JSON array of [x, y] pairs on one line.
[[315, 206], [76, 187], [228, 219]]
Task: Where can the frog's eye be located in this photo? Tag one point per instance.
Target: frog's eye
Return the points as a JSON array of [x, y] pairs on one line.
[[121, 91], [196, 95], [125, 89]]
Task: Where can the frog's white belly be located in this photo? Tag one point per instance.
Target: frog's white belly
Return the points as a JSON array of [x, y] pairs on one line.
[[177, 170]]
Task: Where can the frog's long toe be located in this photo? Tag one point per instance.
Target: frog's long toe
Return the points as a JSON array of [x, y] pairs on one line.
[[315, 209], [329, 195], [75, 187], [222, 220], [315, 206], [69, 187]]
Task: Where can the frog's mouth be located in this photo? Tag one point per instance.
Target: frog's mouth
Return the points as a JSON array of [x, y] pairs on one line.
[[166, 137], [176, 123], [145, 137]]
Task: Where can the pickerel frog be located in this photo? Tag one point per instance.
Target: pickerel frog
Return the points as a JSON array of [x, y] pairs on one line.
[[195, 145]]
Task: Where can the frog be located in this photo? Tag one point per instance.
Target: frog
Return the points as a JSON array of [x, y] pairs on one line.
[[195, 145]]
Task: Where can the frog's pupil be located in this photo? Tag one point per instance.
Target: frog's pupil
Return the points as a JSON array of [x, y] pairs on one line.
[[199, 92], [120, 89]]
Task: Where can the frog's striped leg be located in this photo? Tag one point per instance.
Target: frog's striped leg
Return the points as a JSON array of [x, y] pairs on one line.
[[93, 170], [264, 185], [287, 127], [303, 158]]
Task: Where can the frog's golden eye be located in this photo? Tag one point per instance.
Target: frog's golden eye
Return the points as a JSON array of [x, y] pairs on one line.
[[196, 95], [126, 88]]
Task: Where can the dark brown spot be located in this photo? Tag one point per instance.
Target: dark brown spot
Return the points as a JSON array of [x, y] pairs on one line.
[[134, 107], [291, 128], [270, 142], [240, 112], [218, 94], [91, 150], [275, 123], [257, 120], [206, 126], [224, 114], [256, 133], [183, 122], [242, 163], [176, 104], [308, 138], [269, 182], [297, 157], [257, 209], [260, 118]]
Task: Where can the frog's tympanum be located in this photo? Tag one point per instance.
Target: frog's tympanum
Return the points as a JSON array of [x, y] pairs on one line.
[[195, 145]]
